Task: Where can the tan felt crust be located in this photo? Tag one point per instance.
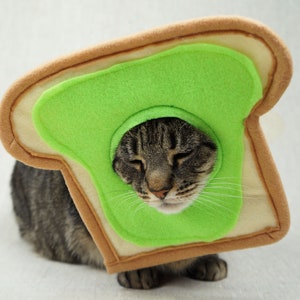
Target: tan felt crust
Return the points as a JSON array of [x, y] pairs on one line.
[[277, 80]]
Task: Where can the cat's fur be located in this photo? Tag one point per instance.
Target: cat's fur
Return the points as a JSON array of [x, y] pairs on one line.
[[167, 162]]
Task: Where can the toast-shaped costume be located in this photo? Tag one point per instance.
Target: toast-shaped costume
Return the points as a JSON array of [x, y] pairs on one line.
[[220, 74]]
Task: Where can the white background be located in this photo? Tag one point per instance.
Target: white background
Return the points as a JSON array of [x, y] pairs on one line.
[[33, 32]]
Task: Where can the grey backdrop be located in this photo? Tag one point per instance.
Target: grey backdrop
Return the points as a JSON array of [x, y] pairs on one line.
[[33, 32]]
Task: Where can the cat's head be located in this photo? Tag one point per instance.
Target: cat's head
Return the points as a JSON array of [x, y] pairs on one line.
[[167, 161]]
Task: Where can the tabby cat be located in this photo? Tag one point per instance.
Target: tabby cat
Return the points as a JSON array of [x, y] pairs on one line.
[[166, 161]]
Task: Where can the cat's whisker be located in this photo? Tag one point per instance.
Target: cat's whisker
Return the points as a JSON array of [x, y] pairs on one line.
[[225, 184], [223, 198], [236, 189], [120, 195], [217, 196], [220, 201], [122, 198], [228, 184], [212, 182], [128, 199], [220, 192], [226, 177], [134, 203], [120, 192], [211, 210], [121, 205], [226, 195], [218, 208], [230, 179], [140, 207], [133, 206]]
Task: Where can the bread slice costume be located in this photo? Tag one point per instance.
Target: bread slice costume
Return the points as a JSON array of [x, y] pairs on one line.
[[219, 74]]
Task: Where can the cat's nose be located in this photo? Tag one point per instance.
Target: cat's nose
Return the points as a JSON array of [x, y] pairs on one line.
[[161, 194]]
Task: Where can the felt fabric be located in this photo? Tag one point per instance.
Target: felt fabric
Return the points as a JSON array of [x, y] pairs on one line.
[[264, 196], [200, 83]]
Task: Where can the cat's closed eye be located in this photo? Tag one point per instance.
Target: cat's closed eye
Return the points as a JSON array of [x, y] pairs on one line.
[[138, 164], [178, 158], [170, 162]]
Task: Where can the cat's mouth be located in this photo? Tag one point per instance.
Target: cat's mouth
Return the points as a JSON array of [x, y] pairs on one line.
[[173, 202], [180, 200]]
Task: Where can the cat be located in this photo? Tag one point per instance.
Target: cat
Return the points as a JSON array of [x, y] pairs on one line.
[[167, 162]]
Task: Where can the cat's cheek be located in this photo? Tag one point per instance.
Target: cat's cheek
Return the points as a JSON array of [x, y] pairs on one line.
[[124, 177], [126, 172]]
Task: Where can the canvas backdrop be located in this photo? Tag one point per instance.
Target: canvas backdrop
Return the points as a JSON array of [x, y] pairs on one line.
[[33, 32]]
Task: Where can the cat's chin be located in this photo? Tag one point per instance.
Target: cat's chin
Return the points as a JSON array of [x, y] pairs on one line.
[[172, 208]]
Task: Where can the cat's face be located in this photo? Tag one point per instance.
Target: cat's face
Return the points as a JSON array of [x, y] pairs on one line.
[[167, 161]]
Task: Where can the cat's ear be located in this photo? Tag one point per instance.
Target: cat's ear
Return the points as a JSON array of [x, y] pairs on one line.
[[221, 73]]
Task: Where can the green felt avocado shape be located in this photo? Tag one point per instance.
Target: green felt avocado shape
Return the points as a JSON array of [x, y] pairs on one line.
[[212, 87]]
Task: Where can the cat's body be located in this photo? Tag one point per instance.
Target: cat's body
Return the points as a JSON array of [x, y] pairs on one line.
[[166, 161]]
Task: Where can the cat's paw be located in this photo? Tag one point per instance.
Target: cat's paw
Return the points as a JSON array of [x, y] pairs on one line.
[[208, 268], [139, 279]]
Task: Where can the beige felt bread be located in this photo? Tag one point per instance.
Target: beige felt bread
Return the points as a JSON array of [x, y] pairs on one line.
[[263, 191]]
